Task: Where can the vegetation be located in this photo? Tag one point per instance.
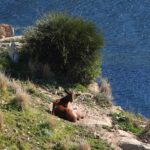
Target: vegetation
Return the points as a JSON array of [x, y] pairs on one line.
[[68, 46], [128, 122], [64, 48], [34, 128], [102, 100]]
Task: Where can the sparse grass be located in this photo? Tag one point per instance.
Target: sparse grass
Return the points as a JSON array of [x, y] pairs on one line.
[[127, 121], [21, 100], [3, 81], [35, 128], [102, 100], [89, 138], [84, 146], [15, 85], [105, 89], [1, 121], [79, 87]]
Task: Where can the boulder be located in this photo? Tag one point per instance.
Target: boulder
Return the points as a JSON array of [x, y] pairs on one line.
[[94, 88], [128, 143], [6, 31]]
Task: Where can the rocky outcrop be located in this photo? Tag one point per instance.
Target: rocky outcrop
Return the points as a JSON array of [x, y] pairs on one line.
[[6, 31], [14, 38], [127, 143], [94, 88]]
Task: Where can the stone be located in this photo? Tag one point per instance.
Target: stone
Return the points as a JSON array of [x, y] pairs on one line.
[[125, 134], [128, 143], [6, 31], [94, 88]]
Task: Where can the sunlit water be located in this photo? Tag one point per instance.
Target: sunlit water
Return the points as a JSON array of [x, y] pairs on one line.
[[125, 25]]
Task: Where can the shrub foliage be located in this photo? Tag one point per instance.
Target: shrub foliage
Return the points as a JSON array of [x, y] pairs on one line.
[[69, 45]]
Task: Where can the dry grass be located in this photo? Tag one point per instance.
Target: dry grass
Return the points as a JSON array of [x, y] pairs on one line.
[[84, 146], [1, 121], [22, 100], [105, 88], [16, 86], [3, 81], [30, 87]]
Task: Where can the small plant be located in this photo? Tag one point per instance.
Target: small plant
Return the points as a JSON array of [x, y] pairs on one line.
[[79, 87], [105, 89], [127, 122], [60, 146], [84, 146], [51, 123], [14, 85], [3, 81], [21, 101], [102, 100], [30, 88]]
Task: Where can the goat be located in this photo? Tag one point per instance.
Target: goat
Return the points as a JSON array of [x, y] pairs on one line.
[[63, 108]]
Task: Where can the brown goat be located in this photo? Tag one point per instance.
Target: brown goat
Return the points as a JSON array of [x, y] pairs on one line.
[[63, 108], [6, 31]]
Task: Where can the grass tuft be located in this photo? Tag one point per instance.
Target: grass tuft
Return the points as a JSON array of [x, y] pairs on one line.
[[105, 89], [102, 100], [127, 121], [3, 81], [21, 101]]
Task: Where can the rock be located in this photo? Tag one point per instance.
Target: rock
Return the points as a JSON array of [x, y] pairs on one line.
[[128, 143], [6, 31], [125, 134], [93, 122], [94, 88], [14, 38]]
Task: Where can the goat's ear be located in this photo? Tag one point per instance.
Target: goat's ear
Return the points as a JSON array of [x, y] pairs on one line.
[[68, 92]]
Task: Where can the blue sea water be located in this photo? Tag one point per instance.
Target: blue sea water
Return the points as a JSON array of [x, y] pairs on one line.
[[125, 25]]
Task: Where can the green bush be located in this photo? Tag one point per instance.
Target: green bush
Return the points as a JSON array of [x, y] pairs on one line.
[[69, 45]]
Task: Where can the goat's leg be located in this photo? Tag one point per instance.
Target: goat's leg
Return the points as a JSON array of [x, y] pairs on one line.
[[53, 113], [71, 115], [79, 115]]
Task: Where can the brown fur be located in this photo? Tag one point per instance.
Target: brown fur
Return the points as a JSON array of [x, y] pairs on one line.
[[63, 108], [6, 31]]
